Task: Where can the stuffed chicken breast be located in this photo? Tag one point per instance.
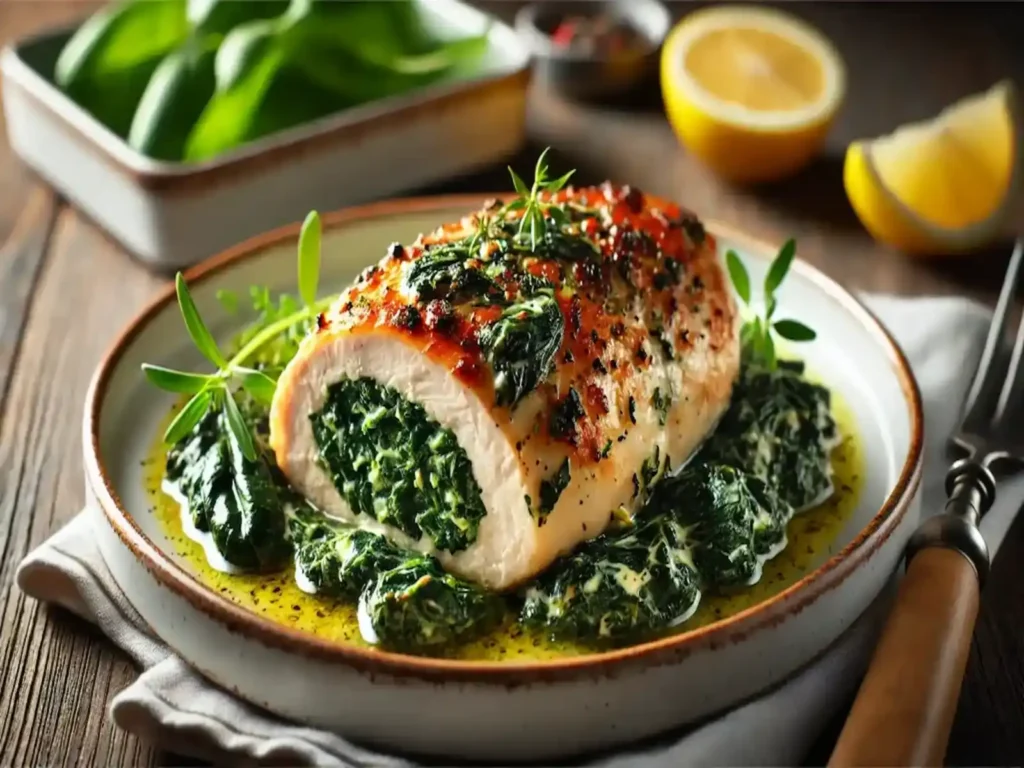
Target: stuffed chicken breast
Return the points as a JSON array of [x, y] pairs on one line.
[[505, 387]]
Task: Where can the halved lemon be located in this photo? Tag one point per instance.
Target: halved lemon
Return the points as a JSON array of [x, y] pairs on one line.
[[945, 185], [750, 91]]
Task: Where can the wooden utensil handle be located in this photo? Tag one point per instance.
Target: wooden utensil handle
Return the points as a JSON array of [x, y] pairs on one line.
[[905, 706]]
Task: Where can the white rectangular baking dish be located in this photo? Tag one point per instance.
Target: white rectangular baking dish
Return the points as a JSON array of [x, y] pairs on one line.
[[173, 214]]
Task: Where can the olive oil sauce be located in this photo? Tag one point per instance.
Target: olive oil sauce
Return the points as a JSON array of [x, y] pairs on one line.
[[811, 534]]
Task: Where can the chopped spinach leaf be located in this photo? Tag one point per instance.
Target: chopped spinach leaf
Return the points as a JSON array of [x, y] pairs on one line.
[[735, 521], [445, 272], [618, 585], [551, 489], [779, 427], [661, 403], [520, 345], [418, 605], [391, 461], [650, 472], [564, 416], [233, 499], [336, 559], [407, 599]]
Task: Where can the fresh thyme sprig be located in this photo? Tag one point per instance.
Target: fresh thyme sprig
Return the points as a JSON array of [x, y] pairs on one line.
[[215, 389], [536, 212], [756, 335]]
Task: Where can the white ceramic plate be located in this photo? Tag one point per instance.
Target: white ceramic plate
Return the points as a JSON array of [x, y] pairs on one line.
[[489, 710]]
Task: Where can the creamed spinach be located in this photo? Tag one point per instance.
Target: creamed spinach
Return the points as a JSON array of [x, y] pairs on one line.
[[406, 600], [392, 462], [708, 526], [780, 428], [233, 499]]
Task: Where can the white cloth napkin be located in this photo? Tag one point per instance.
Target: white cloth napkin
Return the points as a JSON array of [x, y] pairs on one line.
[[173, 706]]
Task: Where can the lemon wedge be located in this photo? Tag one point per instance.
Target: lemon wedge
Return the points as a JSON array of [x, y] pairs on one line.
[[945, 185], [750, 91]]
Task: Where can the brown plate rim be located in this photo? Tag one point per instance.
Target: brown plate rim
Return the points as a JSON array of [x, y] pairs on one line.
[[732, 629]]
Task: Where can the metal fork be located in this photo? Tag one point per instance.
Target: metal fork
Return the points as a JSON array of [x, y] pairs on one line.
[[905, 706]]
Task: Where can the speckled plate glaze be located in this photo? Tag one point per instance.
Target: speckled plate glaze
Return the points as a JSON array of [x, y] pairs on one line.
[[491, 710]]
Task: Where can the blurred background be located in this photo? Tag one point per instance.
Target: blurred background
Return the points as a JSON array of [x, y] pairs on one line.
[[134, 135]]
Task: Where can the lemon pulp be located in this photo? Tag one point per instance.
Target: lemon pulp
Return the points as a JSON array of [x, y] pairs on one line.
[[759, 69], [750, 91], [946, 184]]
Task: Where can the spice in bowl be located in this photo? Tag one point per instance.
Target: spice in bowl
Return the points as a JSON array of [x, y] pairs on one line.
[[594, 49], [602, 35]]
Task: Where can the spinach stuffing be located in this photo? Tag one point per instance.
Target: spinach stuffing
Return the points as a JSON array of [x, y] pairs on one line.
[[389, 460]]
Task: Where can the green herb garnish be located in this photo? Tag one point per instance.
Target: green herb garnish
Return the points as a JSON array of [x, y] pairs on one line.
[[536, 213], [756, 335], [215, 389]]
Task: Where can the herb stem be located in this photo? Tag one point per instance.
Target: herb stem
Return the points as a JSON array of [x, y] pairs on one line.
[[276, 328]]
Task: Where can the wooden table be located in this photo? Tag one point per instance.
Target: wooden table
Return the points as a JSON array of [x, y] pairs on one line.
[[65, 289]]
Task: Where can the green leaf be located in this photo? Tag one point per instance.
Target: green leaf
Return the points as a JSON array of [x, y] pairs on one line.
[[197, 329], [228, 300], [557, 215], [777, 271], [309, 258], [794, 330], [519, 184], [540, 173], [236, 422], [247, 63], [772, 306], [738, 275], [175, 381], [218, 17], [557, 184], [747, 334], [190, 415], [107, 63], [768, 351], [257, 384], [176, 95]]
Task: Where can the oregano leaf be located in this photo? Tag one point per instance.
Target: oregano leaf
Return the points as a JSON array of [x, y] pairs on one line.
[[794, 330], [780, 266], [738, 274], [309, 258], [175, 381], [190, 415], [257, 384], [519, 184], [239, 428], [197, 329], [768, 351]]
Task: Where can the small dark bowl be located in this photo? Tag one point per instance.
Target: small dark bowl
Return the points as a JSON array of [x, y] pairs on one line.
[[598, 76]]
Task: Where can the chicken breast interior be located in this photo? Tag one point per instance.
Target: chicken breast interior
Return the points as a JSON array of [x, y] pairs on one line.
[[494, 399]]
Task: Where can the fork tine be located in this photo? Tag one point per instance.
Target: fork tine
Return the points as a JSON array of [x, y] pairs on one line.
[[997, 329], [1012, 373]]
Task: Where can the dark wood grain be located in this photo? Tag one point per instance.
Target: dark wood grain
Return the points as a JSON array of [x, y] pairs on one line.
[[21, 258], [17, 19], [905, 61], [57, 678]]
